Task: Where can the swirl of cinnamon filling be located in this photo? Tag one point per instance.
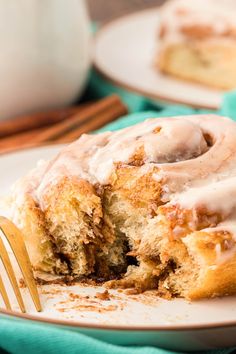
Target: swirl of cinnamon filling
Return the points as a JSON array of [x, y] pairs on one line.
[[168, 140]]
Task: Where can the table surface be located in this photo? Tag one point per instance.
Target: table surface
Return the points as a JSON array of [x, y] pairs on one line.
[[105, 10]]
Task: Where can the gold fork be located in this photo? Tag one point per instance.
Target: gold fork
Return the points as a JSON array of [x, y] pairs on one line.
[[16, 241]]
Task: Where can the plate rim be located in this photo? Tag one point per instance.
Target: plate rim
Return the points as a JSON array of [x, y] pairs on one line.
[[102, 71], [110, 327], [31, 146]]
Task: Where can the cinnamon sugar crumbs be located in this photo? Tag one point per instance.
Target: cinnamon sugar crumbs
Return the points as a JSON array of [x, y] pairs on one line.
[[96, 308], [89, 308], [164, 293], [67, 281], [22, 284], [104, 296], [63, 281], [150, 298], [77, 302], [132, 291], [97, 302], [62, 310], [156, 130], [51, 292], [73, 296]]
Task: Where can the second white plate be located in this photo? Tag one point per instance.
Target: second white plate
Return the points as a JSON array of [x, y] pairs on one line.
[[124, 53]]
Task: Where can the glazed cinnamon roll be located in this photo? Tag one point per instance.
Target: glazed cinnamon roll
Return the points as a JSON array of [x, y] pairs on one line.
[[152, 206], [197, 41]]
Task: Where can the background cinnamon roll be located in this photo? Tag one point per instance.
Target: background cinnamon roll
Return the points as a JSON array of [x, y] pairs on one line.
[[197, 41], [152, 205]]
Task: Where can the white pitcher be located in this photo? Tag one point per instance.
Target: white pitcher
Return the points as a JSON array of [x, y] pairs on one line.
[[44, 54]]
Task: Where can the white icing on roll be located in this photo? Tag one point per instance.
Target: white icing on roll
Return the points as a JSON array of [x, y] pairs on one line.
[[192, 173], [177, 140], [220, 196], [219, 15], [229, 247]]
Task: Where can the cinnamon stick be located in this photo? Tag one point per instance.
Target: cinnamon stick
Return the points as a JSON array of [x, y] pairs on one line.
[[103, 118], [92, 117], [19, 139], [33, 121]]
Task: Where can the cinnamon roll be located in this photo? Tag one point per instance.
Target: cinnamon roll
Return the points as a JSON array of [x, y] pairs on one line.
[[197, 41], [152, 206]]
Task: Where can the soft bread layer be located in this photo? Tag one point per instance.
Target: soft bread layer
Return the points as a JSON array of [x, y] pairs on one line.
[[207, 62], [73, 235], [83, 233], [168, 251]]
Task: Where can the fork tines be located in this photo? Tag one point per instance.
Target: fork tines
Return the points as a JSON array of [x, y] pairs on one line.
[[16, 241]]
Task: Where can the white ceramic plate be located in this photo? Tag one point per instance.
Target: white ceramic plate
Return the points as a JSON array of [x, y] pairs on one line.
[[125, 319], [124, 53]]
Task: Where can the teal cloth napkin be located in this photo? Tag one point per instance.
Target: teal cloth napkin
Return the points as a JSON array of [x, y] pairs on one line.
[[26, 337], [98, 87], [21, 336]]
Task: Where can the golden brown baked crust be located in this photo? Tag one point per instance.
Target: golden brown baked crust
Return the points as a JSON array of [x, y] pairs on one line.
[[151, 206]]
